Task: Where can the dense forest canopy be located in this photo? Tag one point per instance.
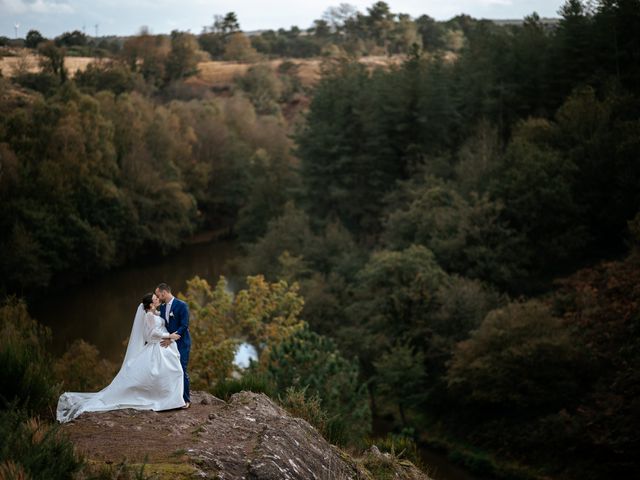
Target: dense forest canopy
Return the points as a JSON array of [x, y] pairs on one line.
[[455, 234]]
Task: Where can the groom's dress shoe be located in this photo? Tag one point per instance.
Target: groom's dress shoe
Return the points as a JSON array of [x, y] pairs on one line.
[[187, 405]]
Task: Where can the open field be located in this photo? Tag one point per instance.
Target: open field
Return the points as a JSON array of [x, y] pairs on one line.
[[216, 73], [30, 63], [211, 73]]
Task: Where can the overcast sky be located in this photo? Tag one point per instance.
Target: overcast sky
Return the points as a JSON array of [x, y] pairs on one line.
[[125, 17]]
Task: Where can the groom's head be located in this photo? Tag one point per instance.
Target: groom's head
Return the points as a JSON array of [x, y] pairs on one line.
[[163, 292]]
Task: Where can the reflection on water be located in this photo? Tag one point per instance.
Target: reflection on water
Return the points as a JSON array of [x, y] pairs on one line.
[[101, 311]]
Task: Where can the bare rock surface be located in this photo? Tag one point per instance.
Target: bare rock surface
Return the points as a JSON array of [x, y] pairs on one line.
[[250, 437]]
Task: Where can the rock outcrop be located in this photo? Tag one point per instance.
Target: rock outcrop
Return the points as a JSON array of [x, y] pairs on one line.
[[249, 437]]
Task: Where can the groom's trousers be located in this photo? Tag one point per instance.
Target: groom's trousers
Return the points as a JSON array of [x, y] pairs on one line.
[[184, 360]]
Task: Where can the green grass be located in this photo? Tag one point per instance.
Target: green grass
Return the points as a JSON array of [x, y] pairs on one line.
[[137, 471]]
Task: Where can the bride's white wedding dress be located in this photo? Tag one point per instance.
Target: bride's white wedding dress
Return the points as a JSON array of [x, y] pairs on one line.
[[150, 377]]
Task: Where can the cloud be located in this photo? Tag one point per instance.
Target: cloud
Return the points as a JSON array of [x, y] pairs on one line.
[[493, 2], [35, 6]]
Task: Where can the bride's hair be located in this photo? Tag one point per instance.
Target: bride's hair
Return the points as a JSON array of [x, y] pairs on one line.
[[147, 300]]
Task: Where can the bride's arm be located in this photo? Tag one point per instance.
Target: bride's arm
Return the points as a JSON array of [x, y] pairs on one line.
[[151, 331]]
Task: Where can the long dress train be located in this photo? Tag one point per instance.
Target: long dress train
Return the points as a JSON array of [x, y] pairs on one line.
[[150, 377]]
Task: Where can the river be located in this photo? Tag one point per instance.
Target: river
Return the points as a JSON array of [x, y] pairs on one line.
[[101, 311]]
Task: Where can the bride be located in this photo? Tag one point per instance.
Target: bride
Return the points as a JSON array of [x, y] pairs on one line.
[[150, 377]]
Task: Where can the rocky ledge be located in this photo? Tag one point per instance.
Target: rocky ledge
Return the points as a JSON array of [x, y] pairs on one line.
[[250, 437]]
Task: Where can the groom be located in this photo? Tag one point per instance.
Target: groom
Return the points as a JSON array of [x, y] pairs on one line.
[[175, 313]]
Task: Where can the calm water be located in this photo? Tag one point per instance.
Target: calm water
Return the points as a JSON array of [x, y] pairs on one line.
[[101, 311]]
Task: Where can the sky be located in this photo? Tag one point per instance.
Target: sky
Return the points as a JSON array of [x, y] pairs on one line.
[[126, 17]]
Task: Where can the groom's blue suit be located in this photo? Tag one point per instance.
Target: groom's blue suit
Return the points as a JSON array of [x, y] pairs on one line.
[[179, 323]]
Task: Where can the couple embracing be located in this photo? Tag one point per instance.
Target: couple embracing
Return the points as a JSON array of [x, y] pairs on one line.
[[153, 375]]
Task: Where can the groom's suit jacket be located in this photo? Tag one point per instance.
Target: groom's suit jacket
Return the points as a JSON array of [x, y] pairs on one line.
[[178, 322]]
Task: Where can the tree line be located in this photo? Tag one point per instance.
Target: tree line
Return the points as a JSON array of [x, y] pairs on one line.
[[93, 175], [343, 28]]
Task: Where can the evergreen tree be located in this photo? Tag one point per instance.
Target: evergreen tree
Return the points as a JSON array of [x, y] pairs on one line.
[[311, 361], [571, 65], [400, 376]]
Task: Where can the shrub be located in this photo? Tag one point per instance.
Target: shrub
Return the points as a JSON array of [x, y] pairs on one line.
[[521, 359], [43, 82], [299, 404], [400, 445], [81, 369], [251, 381], [113, 76], [26, 377], [33, 449]]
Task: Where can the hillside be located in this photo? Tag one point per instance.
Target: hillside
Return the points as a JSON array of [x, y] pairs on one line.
[[248, 437], [210, 73]]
